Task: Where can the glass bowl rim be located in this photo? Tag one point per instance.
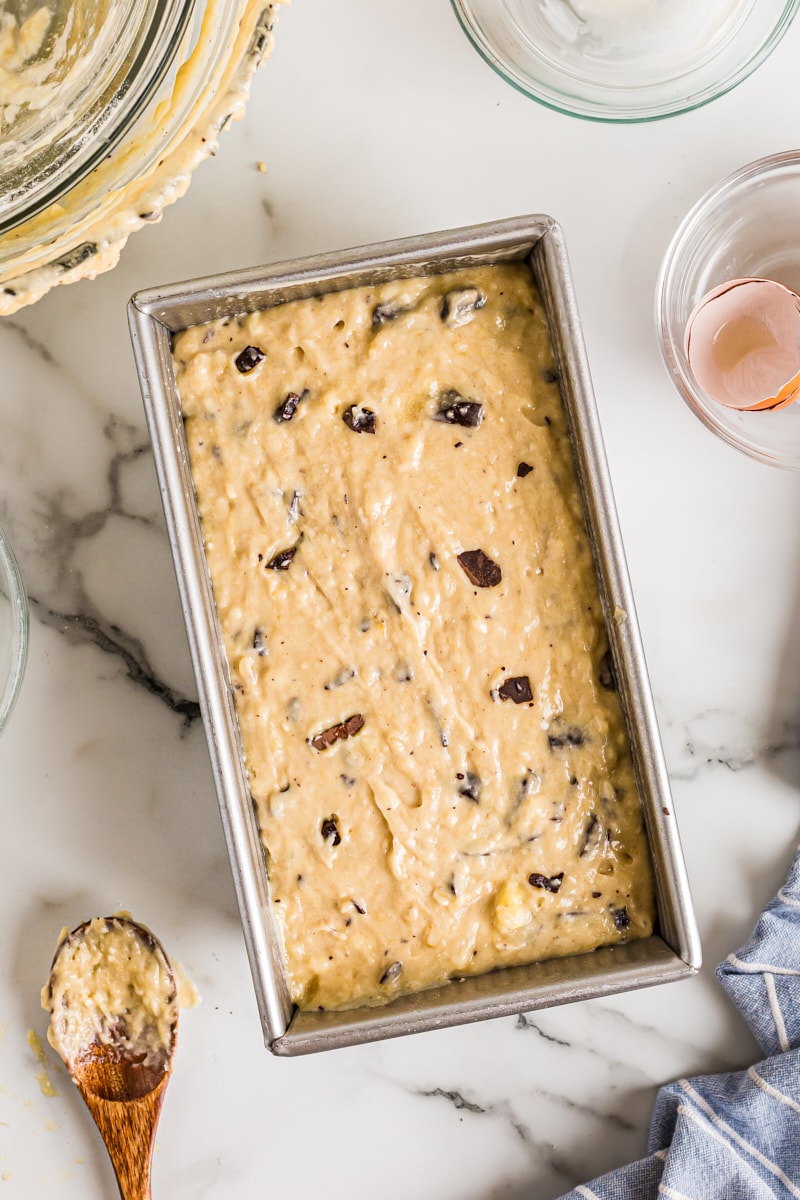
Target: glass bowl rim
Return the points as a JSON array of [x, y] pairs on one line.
[[594, 110], [12, 576], [680, 379]]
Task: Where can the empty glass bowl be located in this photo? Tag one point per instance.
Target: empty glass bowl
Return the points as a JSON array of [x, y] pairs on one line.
[[13, 629], [625, 60], [746, 226]]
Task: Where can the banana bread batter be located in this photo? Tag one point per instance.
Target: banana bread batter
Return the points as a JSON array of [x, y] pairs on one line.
[[111, 985], [408, 602]]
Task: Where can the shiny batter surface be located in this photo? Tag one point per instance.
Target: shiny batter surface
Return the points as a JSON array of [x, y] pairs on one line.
[[408, 602]]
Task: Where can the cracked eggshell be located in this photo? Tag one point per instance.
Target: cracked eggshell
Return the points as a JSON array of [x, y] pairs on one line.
[[743, 344]]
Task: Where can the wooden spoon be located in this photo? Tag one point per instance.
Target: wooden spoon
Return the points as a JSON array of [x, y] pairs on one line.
[[113, 1009]]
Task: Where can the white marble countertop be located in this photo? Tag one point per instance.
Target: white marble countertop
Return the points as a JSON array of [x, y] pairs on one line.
[[379, 120]]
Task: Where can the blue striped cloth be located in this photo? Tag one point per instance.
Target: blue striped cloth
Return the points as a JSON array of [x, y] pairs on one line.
[[734, 1136]]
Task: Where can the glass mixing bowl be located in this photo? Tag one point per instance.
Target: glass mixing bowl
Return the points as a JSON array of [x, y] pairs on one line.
[[625, 60], [146, 111], [746, 226], [74, 75], [13, 629]]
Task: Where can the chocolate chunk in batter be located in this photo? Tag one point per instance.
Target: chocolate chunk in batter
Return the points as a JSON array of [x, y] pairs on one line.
[[382, 314], [360, 419], [550, 883], [337, 733], [569, 737], [460, 305], [433, 560], [516, 688], [282, 560], [259, 642], [391, 974], [606, 676], [529, 784], [471, 786], [592, 835], [524, 469], [73, 258], [330, 829], [249, 359], [479, 568], [286, 410], [340, 679], [621, 917], [455, 409]]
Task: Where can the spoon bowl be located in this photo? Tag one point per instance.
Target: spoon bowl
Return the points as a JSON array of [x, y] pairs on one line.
[[113, 1006]]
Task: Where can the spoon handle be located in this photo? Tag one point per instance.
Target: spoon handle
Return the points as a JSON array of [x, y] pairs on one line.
[[128, 1129]]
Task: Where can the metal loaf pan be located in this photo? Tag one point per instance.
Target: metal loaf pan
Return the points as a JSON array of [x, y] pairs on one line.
[[673, 952]]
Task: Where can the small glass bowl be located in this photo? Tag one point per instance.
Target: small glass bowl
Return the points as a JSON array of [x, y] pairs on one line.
[[13, 629], [747, 225], [624, 60]]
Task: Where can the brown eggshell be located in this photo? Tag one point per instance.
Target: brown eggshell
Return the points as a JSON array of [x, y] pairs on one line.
[[743, 344]]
